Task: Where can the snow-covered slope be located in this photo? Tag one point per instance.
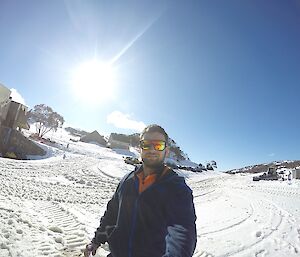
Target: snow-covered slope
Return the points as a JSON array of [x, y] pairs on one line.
[[51, 207]]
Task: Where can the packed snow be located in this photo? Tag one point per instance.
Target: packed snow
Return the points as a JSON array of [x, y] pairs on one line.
[[52, 205]]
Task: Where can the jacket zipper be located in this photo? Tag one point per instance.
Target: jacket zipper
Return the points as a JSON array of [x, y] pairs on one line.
[[134, 214], [133, 220]]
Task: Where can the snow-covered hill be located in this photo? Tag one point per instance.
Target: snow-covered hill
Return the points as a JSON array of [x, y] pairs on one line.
[[258, 168], [51, 207]]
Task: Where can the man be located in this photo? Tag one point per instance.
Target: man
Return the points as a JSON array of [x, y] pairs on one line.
[[290, 178], [152, 212]]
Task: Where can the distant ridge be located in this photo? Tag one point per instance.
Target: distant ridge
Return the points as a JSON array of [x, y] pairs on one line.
[[264, 167]]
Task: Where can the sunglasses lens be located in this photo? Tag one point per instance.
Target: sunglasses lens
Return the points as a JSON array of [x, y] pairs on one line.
[[158, 145], [145, 145]]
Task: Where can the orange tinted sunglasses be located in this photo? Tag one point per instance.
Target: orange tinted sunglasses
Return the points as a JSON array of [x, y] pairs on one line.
[[158, 145]]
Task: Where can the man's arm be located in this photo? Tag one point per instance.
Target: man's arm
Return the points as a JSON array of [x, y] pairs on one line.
[[181, 239], [108, 220]]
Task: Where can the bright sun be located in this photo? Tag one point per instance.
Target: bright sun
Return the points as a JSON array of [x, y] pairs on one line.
[[93, 81]]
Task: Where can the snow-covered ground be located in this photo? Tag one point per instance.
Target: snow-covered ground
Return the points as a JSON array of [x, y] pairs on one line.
[[51, 206]]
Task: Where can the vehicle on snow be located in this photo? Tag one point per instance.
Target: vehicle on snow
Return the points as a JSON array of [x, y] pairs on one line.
[[132, 160], [271, 174]]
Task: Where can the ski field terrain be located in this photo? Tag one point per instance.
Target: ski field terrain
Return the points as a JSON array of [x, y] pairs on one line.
[[52, 206]]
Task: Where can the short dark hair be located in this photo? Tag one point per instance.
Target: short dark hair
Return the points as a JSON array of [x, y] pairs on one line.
[[155, 128]]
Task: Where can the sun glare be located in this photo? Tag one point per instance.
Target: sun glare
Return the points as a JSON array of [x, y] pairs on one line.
[[93, 81]]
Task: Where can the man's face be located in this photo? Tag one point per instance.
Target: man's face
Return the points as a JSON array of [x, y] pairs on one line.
[[151, 157]]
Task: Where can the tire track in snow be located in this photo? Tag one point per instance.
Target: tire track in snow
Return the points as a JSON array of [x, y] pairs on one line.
[[205, 190], [274, 232], [272, 224], [232, 225], [198, 253], [63, 228], [51, 230], [5, 233], [15, 229]]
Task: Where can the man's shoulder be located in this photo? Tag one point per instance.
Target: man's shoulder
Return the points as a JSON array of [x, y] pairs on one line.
[[129, 174], [176, 182], [174, 176]]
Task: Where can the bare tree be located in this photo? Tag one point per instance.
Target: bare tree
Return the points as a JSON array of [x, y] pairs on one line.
[[45, 119]]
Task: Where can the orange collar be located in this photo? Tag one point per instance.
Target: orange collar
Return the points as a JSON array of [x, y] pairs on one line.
[[145, 182]]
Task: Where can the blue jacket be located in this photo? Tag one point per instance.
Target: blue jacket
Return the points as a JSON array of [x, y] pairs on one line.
[[159, 222]]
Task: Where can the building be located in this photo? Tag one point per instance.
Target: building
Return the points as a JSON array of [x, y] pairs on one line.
[[4, 102], [94, 137], [12, 114], [13, 117], [118, 141], [296, 173]]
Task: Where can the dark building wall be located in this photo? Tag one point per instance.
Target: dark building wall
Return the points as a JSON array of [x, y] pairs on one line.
[[4, 106], [13, 141], [4, 138], [14, 115]]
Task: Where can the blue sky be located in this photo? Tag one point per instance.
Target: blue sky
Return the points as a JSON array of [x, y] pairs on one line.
[[222, 77]]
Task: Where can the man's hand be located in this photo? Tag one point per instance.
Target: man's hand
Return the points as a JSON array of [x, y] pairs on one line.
[[90, 248]]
